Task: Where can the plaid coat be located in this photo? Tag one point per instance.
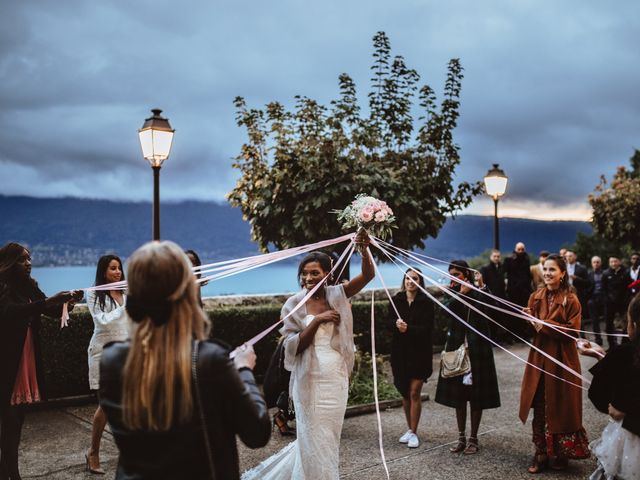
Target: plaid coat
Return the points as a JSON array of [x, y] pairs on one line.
[[484, 390]]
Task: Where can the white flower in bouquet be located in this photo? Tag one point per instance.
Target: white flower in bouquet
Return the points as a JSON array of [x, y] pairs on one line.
[[369, 213]]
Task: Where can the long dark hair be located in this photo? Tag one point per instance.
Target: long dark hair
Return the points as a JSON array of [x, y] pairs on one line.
[[325, 261], [420, 278], [196, 260], [9, 256], [463, 266], [634, 315], [101, 279], [562, 265]]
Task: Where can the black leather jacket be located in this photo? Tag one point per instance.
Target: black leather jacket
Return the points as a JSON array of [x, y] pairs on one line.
[[232, 405]]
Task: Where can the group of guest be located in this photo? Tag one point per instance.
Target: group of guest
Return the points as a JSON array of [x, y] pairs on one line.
[[176, 416], [551, 392]]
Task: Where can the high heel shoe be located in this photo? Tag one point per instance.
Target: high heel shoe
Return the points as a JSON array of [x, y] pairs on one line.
[[280, 421], [94, 471]]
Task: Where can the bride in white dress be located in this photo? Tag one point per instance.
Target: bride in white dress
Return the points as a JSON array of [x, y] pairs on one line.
[[319, 354]]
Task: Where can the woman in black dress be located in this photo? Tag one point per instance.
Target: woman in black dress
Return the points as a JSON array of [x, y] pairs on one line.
[[480, 387], [411, 350]]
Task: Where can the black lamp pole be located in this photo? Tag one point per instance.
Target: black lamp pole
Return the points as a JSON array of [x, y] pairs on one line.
[[156, 202], [496, 226]]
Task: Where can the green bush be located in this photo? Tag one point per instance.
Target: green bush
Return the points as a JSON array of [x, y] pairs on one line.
[[361, 387], [65, 351]]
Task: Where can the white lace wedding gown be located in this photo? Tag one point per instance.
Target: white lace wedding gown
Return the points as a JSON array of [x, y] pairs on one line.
[[315, 453]]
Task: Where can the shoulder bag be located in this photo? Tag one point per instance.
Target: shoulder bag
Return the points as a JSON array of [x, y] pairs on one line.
[[456, 363]]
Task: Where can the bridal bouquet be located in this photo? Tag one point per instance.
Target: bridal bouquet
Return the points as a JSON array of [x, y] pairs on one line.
[[369, 213]]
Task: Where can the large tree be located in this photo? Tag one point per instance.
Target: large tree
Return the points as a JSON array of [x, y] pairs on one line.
[[616, 205], [299, 165]]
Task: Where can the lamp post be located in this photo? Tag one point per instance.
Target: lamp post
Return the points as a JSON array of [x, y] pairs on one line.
[[495, 184], [156, 137]]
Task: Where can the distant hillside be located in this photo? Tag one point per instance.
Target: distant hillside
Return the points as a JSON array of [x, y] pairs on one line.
[[71, 231]]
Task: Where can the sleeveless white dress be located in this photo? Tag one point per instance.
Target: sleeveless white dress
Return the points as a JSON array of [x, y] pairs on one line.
[[315, 453]]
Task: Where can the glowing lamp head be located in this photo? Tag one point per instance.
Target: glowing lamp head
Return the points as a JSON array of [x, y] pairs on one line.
[[495, 182], [156, 138]]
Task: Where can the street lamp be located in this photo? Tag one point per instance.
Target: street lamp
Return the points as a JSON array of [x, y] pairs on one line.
[[495, 184], [156, 137]]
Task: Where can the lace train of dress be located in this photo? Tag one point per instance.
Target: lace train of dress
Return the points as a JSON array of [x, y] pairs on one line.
[[618, 453], [315, 453]]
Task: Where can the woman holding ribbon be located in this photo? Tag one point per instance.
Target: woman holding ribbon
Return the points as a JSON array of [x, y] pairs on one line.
[[411, 348], [175, 402], [478, 387], [22, 303], [319, 352], [110, 324], [553, 392]]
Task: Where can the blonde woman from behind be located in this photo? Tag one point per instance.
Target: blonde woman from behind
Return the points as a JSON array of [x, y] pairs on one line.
[[152, 387]]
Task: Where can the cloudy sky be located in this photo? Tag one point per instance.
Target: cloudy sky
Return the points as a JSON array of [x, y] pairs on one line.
[[550, 89]]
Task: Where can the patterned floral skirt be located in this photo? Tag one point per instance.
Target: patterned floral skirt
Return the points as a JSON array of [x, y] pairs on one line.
[[573, 445]]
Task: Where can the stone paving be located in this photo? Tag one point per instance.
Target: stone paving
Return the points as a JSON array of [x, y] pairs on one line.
[[54, 441]]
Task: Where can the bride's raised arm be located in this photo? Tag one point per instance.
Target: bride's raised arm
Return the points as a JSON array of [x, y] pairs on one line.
[[368, 272]]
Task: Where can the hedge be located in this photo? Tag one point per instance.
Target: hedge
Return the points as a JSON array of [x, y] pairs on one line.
[[65, 351]]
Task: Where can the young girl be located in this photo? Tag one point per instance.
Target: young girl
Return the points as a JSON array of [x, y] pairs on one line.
[[615, 389]]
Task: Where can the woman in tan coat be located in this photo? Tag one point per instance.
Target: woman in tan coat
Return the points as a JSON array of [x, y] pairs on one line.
[[557, 405]]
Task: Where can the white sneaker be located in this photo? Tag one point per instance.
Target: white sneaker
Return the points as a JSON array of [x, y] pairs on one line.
[[405, 438], [414, 441]]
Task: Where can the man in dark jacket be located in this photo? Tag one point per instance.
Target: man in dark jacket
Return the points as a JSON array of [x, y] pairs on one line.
[[516, 268], [493, 277], [615, 281], [596, 300], [578, 277]]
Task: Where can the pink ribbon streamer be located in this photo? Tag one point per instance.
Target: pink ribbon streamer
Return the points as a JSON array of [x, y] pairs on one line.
[[570, 370], [515, 311], [374, 363], [64, 318], [264, 333]]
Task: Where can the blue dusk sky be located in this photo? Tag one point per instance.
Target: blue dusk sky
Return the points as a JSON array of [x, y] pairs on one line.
[[550, 90]]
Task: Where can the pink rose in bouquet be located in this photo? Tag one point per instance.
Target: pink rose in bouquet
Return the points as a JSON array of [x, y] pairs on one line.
[[370, 213]]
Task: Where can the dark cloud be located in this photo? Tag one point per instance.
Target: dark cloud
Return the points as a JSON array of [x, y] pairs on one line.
[[550, 90]]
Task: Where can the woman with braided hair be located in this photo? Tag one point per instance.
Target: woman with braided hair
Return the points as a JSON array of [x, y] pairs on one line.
[[22, 304]]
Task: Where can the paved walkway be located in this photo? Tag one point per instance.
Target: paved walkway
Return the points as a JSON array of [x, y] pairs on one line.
[[54, 441]]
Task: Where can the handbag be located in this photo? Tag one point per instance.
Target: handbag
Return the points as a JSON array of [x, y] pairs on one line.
[[198, 401], [456, 363]]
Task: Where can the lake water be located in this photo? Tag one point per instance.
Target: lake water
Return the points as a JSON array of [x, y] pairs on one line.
[[275, 278]]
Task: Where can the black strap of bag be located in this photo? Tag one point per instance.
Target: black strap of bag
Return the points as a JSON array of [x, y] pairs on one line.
[[203, 423]]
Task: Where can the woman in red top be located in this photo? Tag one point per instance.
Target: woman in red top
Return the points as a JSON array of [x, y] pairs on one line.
[[21, 305]]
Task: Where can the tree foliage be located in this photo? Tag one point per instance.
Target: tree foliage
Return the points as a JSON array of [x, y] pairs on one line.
[[616, 205], [298, 165]]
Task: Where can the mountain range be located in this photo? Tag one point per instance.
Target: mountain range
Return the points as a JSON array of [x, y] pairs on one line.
[[74, 231]]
